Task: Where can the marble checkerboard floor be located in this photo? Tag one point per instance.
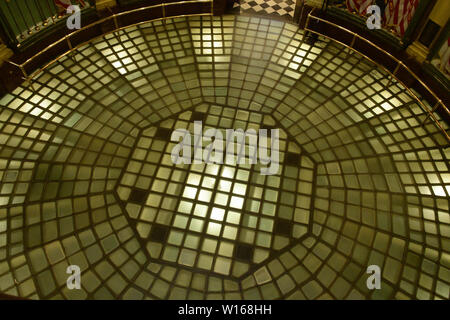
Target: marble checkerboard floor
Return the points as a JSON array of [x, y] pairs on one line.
[[282, 8]]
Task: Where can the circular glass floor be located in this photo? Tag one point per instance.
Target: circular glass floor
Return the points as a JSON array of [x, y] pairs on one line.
[[86, 176]]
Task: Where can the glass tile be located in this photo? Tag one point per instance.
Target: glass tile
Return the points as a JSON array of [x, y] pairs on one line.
[[87, 178]]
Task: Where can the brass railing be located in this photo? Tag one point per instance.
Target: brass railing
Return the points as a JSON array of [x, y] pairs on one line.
[[29, 77], [114, 17], [430, 112]]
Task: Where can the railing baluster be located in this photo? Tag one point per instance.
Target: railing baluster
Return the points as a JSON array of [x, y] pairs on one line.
[[350, 51], [308, 17], [353, 41], [394, 73], [69, 44], [164, 12], [25, 77], [116, 23], [430, 112]]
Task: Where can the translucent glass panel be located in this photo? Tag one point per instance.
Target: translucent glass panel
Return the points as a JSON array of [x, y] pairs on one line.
[[86, 176], [225, 218]]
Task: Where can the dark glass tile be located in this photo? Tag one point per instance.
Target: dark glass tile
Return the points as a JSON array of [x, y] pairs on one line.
[[198, 116], [292, 159], [243, 252], [283, 227], [159, 233], [138, 196], [163, 134]]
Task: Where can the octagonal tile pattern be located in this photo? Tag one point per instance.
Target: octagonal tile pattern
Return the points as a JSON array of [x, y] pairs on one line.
[[223, 217], [85, 179]]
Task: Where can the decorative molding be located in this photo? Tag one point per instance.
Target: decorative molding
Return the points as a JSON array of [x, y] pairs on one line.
[[418, 51]]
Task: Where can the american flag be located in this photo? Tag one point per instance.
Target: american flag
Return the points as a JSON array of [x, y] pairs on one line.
[[64, 4], [444, 55], [360, 6], [398, 14]]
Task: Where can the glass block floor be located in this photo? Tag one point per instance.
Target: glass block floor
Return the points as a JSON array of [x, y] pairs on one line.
[[86, 177]]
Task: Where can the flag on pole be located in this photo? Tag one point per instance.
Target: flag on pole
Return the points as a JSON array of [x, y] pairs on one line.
[[64, 4], [398, 14], [382, 4], [444, 54], [359, 6]]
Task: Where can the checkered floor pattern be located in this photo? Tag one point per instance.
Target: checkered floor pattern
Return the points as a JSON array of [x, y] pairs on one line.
[[283, 8]]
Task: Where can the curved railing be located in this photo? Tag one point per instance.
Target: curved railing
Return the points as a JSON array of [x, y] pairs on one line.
[[114, 17], [430, 112], [117, 27]]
